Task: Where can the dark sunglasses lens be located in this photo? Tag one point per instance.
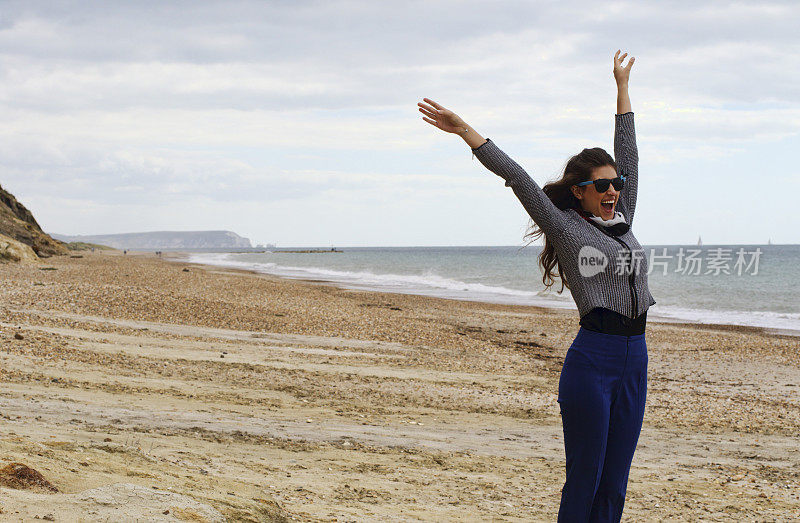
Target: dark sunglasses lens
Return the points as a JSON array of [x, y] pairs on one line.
[[602, 184]]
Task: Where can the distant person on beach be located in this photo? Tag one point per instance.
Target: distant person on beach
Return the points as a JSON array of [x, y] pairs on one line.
[[585, 218]]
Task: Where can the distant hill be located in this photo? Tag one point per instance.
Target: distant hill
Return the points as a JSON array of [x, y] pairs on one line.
[[165, 240], [18, 223]]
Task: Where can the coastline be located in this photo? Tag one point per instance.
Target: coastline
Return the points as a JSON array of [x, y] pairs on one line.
[[183, 257], [262, 397]]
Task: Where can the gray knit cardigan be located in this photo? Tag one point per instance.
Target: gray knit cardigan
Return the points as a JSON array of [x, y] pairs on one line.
[[601, 270]]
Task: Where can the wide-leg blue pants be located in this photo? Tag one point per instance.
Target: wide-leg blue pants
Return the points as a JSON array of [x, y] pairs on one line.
[[601, 393]]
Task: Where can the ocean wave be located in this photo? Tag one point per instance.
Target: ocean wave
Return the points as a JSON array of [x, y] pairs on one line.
[[766, 319], [429, 283]]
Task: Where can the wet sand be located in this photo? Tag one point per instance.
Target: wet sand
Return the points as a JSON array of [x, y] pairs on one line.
[[258, 398]]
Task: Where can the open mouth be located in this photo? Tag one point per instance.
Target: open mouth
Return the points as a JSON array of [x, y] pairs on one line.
[[607, 205]]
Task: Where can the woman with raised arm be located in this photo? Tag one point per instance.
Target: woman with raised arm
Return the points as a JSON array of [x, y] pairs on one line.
[[585, 218]]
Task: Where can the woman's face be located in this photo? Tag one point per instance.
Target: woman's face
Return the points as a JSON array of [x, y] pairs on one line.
[[593, 201]]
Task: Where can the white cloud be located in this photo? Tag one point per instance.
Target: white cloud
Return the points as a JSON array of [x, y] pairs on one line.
[[151, 103]]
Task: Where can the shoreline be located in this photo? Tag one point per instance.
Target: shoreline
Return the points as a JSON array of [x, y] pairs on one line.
[[183, 257]]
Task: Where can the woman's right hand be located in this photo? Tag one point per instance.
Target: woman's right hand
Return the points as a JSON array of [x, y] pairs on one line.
[[438, 116]]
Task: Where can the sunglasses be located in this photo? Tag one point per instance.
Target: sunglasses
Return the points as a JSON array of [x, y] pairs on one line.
[[602, 184]]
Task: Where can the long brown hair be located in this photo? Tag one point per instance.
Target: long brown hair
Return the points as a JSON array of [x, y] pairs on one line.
[[578, 169]]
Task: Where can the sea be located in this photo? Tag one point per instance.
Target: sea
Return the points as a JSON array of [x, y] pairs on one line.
[[755, 285]]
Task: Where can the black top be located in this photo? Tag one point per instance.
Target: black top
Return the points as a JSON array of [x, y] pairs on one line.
[[607, 321]]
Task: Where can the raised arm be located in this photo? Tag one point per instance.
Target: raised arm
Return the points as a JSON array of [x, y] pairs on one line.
[[625, 150], [550, 218]]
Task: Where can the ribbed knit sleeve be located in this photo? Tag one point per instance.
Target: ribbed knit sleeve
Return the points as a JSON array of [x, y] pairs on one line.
[[627, 158], [545, 214]]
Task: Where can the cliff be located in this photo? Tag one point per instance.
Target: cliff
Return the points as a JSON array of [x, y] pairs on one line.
[[14, 251], [18, 223]]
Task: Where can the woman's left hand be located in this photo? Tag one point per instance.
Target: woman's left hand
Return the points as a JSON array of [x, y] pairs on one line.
[[622, 74]]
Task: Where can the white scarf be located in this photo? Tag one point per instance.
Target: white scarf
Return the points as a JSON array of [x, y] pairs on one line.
[[618, 218]]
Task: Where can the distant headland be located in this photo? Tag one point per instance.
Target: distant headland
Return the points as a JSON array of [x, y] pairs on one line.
[[165, 240]]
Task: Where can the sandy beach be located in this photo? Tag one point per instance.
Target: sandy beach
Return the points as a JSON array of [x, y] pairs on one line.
[[144, 388]]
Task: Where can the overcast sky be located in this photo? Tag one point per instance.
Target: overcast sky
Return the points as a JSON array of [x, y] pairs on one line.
[[295, 122]]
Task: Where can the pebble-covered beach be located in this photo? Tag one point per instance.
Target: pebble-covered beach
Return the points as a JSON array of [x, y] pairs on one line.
[[204, 394]]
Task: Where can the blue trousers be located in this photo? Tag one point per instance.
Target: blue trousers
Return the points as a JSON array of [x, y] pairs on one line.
[[601, 394]]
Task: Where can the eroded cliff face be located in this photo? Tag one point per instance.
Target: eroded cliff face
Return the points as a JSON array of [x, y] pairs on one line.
[[18, 223], [14, 251]]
